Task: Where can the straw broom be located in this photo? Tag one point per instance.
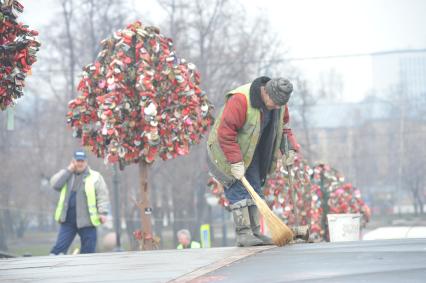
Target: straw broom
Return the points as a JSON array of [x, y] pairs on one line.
[[280, 232]]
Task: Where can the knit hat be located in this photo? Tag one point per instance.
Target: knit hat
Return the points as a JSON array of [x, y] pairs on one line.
[[279, 90]]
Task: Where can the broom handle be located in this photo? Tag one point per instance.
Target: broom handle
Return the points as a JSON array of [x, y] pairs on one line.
[[250, 189]]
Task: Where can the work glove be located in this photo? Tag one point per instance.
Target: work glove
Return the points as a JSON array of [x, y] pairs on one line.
[[237, 170], [288, 159]]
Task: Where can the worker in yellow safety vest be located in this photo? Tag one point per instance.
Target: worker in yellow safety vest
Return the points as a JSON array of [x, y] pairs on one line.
[[83, 204], [184, 238]]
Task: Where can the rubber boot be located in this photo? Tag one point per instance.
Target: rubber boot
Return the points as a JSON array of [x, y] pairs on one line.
[[244, 234], [255, 225]]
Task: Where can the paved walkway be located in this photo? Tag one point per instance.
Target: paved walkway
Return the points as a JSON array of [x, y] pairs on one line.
[[148, 266], [384, 261], [364, 261]]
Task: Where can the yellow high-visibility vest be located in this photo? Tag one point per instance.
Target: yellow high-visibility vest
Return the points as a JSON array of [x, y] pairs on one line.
[[194, 245], [89, 188]]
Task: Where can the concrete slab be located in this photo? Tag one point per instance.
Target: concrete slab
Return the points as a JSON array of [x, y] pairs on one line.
[[148, 266]]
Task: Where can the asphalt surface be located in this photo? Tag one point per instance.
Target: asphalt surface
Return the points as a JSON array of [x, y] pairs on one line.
[[363, 261]]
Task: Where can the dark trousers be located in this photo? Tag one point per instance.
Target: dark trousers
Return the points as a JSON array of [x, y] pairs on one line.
[[237, 191], [67, 234]]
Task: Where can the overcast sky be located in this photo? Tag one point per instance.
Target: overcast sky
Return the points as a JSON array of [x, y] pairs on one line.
[[311, 28], [330, 27]]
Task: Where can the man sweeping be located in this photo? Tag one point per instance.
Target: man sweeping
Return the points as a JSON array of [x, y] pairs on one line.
[[250, 130]]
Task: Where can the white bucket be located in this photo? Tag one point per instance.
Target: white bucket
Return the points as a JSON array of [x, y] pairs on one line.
[[344, 227]]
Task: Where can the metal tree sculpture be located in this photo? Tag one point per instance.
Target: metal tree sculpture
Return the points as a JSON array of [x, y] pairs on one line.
[[139, 101], [18, 48]]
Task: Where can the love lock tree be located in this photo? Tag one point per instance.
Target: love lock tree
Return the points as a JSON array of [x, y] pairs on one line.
[[139, 101], [18, 48], [305, 194]]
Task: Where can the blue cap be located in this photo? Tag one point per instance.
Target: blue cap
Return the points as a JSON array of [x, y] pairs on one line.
[[80, 155]]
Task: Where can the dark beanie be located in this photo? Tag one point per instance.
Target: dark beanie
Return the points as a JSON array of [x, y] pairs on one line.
[[279, 90]]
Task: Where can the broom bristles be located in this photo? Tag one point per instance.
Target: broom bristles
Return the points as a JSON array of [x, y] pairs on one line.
[[280, 233]]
